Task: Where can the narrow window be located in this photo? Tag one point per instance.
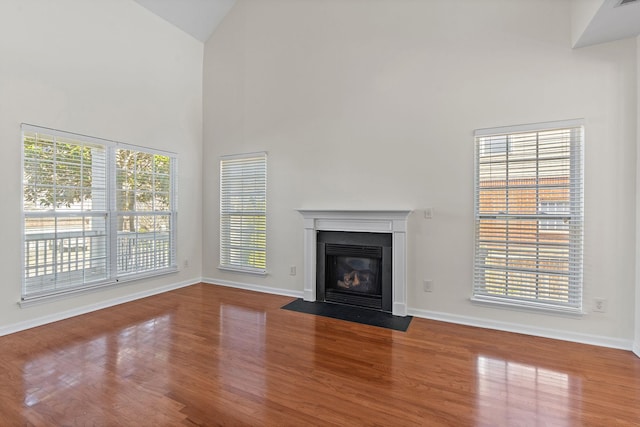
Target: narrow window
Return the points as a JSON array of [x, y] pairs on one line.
[[243, 213], [529, 216]]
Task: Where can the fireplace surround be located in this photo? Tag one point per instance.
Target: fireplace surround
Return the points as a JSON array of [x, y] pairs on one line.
[[391, 222]]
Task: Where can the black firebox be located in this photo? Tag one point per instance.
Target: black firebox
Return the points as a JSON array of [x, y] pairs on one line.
[[354, 268]]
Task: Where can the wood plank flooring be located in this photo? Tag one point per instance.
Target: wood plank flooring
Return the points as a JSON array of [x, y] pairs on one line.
[[208, 355]]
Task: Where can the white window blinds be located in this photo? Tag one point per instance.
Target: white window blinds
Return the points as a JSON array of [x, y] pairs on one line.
[[66, 218], [94, 212], [145, 217], [243, 213], [529, 215]]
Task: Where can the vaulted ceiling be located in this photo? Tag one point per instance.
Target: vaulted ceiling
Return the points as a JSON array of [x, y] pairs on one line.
[[594, 21], [196, 17], [606, 21]]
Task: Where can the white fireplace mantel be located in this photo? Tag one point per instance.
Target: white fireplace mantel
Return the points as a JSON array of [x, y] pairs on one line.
[[371, 221]]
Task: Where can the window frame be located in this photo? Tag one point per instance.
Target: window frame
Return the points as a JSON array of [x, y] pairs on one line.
[[574, 230], [240, 187], [56, 286]]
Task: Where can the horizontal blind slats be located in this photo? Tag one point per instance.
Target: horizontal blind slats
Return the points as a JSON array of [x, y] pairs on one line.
[[71, 241], [529, 210], [243, 181]]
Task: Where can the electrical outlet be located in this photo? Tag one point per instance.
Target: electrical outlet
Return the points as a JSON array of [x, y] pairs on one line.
[[292, 270], [428, 213], [427, 285], [185, 263], [599, 305]]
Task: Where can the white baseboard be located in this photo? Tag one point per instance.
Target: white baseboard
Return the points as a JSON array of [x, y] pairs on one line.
[[525, 329], [465, 320], [433, 315], [32, 323], [253, 287], [636, 348]]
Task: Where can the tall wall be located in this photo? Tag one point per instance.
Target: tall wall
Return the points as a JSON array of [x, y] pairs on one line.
[[372, 105], [636, 343], [109, 69]]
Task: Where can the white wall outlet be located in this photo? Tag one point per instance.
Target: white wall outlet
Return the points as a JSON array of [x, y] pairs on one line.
[[185, 263], [292, 270], [428, 213], [427, 285], [599, 305]]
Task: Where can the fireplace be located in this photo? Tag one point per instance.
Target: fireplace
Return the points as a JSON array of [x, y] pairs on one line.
[[392, 223], [354, 268]]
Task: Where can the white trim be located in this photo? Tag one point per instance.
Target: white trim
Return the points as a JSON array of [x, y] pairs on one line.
[[94, 139], [425, 314], [530, 127], [254, 271], [532, 306], [252, 287], [636, 349], [243, 178], [74, 291], [256, 154], [28, 324], [518, 328], [372, 221], [476, 322]]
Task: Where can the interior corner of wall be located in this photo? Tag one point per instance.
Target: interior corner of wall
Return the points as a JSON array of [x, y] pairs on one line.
[[582, 13]]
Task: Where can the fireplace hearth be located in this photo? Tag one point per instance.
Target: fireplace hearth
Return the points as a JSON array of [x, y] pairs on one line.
[[355, 269]]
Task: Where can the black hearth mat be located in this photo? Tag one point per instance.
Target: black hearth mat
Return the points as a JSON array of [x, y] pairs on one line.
[[351, 314]]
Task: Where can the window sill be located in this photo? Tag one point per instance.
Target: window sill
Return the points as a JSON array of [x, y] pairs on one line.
[[41, 299], [535, 307], [252, 271]]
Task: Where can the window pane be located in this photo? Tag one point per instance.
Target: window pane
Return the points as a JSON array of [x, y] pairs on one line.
[[60, 174], [143, 181], [144, 243], [144, 187], [63, 252]]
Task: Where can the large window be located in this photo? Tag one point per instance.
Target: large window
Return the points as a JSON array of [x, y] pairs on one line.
[[243, 213], [529, 215], [95, 212]]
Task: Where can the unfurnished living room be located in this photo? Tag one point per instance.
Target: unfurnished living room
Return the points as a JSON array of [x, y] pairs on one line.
[[320, 212]]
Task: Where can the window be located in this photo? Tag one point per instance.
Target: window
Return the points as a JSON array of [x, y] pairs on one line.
[[243, 213], [95, 212], [529, 216]]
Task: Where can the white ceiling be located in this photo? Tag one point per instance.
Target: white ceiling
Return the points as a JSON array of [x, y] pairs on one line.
[[611, 21], [196, 17], [200, 18]]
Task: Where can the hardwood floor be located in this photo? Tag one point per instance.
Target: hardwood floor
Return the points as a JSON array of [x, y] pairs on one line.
[[209, 355]]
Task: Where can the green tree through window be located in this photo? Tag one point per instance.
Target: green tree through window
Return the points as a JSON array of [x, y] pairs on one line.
[[95, 212]]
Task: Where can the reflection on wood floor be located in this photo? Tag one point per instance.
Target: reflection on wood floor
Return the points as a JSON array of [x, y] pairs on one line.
[[209, 355]]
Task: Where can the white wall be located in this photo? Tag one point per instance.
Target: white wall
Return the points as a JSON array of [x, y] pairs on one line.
[[372, 104], [109, 69], [636, 343]]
